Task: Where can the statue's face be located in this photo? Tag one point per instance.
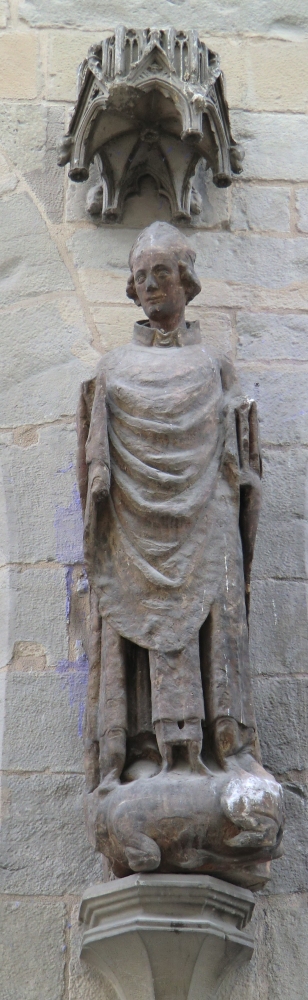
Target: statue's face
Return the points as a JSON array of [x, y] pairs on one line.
[[158, 285]]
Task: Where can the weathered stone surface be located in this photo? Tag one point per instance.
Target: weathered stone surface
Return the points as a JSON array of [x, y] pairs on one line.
[[260, 208], [23, 133], [281, 19], [41, 493], [302, 209], [290, 873], [221, 294], [275, 145], [66, 50], [281, 394], [8, 180], [276, 74], [46, 180], [263, 74], [18, 65], [279, 966], [244, 260], [33, 949], [83, 981], [38, 588], [49, 710], [32, 264], [45, 849], [281, 708], [265, 336], [114, 324], [282, 516], [76, 197], [4, 10], [278, 627], [41, 373]]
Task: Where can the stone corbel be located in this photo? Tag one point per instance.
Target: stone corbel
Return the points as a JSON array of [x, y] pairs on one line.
[[164, 936], [150, 103]]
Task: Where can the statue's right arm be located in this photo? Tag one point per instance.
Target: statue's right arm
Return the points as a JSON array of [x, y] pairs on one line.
[[97, 446]]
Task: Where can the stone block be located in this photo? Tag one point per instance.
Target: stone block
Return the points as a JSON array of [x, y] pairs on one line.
[[281, 395], [18, 65], [23, 133], [260, 208], [115, 324], [282, 708], [44, 361], [282, 18], [45, 848], [44, 715], [41, 493], [30, 262], [249, 259], [290, 872], [4, 11], [215, 201], [282, 516], [265, 336], [76, 197], [83, 981], [276, 145], [278, 626], [8, 180], [38, 588], [263, 74], [104, 285], [222, 294], [279, 966], [276, 74], [66, 50], [46, 179], [302, 209], [33, 949]]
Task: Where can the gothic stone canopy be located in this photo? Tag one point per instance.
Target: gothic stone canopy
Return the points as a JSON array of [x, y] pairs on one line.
[[151, 103]]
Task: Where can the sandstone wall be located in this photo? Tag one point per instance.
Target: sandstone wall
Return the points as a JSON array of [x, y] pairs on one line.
[[62, 285]]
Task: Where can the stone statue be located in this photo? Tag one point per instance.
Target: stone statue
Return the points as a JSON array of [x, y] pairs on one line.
[[169, 476]]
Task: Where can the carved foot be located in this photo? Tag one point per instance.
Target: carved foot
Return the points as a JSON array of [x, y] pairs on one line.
[[143, 855]]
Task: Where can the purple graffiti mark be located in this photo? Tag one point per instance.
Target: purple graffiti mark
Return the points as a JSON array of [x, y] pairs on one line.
[[68, 528], [69, 588], [75, 678], [67, 469]]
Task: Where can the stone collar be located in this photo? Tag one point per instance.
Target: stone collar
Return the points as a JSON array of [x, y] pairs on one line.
[[151, 336]]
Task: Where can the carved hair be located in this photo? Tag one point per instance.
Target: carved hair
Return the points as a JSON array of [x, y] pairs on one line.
[[165, 237]]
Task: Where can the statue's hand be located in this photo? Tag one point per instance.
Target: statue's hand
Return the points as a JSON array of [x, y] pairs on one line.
[[99, 481], [248, 477]]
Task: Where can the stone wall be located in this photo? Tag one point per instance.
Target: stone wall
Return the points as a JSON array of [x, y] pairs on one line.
[[62, 283]]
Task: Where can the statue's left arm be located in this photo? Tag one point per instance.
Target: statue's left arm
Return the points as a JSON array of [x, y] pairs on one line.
[[248, 461], [250, 484]]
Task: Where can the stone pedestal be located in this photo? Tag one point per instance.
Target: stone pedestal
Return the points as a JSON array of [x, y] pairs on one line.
[[166, 937]]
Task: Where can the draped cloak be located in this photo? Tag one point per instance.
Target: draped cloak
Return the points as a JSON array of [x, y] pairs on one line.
[[165, 547]]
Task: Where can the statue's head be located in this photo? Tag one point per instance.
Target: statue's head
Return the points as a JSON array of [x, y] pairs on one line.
[[163, 279]]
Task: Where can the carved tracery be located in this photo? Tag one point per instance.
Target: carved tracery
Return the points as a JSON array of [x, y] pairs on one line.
[[150, 103]]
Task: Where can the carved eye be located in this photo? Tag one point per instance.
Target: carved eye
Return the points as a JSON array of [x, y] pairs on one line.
[[140, 277]]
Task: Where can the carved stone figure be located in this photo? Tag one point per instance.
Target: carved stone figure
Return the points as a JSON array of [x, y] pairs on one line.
[[169, 477], [150, 103]]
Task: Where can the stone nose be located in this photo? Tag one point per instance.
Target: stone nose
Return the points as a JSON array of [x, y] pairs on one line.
[[151, 282]]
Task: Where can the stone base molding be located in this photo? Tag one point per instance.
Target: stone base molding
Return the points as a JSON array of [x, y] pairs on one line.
[[161, 937]]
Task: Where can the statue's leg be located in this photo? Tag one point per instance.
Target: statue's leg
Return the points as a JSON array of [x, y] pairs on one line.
[[185, 733], [112, 712], [177, 703]]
